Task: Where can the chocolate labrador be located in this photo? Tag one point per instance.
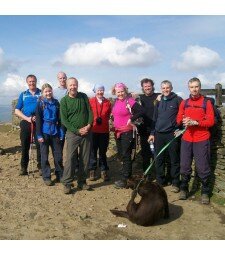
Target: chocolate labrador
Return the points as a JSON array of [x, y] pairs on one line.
[[153, 204]]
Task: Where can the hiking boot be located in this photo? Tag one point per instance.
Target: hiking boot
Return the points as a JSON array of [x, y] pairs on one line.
[[205, 199], [92, 175], [67, 189], [175, 189], [23, 171], [83, 186], [121, 184], [48, 182], [183, 195], [104, 176]]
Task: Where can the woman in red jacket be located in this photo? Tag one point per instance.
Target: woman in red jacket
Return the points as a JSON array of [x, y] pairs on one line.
[[197, 115], [101, 108]]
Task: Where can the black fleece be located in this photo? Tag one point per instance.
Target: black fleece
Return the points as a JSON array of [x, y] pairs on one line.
[[165, 113]]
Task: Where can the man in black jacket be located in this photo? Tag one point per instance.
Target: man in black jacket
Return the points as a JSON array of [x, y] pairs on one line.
[[148, 101], [162, 132]]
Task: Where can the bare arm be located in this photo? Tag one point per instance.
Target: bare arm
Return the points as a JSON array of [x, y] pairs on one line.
[[23, 117]]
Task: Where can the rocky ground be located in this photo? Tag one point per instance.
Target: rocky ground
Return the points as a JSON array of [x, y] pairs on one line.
[[30, 210]]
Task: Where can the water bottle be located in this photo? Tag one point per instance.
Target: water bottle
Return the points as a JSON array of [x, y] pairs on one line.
[[152, 148]]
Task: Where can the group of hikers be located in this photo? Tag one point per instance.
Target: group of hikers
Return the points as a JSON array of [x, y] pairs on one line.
[[52, 116]]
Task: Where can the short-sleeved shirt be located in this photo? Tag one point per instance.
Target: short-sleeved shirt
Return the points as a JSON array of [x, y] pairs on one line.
[[27, 102], [59, 93]]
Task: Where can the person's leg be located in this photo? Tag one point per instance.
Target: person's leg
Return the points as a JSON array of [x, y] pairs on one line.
[[25, 133], [94, 150], [45, 167], [174, 154], [84, 158], [103, 146], [160, 160], [73, 142], [186, 156], [126, 143], [103, 141], [57, 154], [202, 160]]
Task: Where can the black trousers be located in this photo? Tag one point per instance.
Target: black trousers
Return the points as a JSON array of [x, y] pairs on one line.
[[100, 143], [161, 139], [125, 145], [25, 135], [146, 153]]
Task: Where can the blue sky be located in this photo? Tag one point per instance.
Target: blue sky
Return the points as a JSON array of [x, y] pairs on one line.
[[109, 49]]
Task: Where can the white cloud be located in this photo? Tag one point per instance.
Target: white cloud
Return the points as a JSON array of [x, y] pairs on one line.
[[85, 87], [196, 57], [112, 51], [12, 86], [210, 80]]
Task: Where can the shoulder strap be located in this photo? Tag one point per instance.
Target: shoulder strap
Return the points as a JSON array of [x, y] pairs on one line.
[[186, 103]]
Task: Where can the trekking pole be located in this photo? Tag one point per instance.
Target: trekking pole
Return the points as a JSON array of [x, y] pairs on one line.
[[31, 151]]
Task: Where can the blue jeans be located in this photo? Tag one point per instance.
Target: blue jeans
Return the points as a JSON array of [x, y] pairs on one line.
[[56, 147]]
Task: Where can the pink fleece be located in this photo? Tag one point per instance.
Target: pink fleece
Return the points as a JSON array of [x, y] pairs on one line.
[[120, 113]]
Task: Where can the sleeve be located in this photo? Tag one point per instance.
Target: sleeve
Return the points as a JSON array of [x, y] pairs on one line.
[[19, 105], [60, 131], [39, 120], [209, 119], [154, 118], [89, 110], [180, 113], [138, 111], [64, 116]]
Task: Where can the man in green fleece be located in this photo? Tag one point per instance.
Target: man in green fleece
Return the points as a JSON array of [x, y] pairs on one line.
[[77, 117]]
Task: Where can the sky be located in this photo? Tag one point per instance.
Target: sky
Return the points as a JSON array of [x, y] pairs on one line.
[[105, 49]]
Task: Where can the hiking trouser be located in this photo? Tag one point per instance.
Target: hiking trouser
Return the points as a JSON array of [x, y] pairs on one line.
[[74, 141], [161, 139], [25, 136], [200, 151], [125, 144], [100, 142], [54, 143]]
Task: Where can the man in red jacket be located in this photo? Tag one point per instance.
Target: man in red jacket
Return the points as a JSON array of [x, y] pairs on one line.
[[197, 115]]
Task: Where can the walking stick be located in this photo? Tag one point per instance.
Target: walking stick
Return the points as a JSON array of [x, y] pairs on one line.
[[31, 151]]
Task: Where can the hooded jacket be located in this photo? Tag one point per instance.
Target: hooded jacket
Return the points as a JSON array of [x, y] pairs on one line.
[[165, 113]]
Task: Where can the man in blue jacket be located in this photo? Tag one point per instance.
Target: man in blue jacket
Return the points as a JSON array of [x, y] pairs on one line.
[[162, 132], [25, 110]]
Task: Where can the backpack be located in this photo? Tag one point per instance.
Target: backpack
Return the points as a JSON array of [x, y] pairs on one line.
[[217, 116]]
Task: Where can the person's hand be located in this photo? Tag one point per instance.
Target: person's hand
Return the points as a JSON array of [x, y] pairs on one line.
[[187, 121], [41, 140], [159, 97], [151, 138], [33, 118], [84, 130]]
